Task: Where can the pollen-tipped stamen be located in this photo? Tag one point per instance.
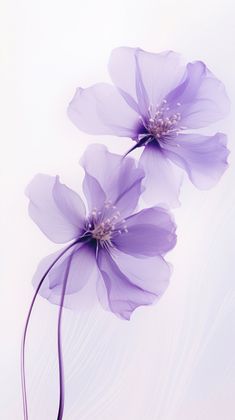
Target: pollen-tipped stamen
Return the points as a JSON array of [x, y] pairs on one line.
[[103, 225], [161, 122]]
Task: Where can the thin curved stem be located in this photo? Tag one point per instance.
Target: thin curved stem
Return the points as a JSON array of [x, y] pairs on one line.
[[60, 356], [23, 381], [140, 143]]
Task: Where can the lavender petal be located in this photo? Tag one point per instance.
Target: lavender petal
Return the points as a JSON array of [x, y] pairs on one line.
[[204, 158], [119, 178], [150, 232], [202, 97], [162, 182], [123, 295], [155, 71], [58, 211], [100, 109], [83, 269]]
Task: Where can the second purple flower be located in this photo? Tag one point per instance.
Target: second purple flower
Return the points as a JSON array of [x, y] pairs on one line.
[[156, 100], [119, 251]]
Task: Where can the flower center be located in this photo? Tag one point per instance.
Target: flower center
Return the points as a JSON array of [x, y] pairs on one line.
[[163, 123], [104, 224]]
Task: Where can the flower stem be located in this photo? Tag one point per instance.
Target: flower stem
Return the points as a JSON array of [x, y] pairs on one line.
[[60, 356], [23, 381], [145, 140]]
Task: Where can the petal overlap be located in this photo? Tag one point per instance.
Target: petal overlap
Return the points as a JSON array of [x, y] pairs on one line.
[[123, 295], [119, 178]]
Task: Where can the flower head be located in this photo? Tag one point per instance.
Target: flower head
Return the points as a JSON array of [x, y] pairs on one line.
[[156, 101], [114, 250]]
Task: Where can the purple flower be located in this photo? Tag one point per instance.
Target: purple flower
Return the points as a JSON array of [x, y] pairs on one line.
[[114, 250], [155, 101]]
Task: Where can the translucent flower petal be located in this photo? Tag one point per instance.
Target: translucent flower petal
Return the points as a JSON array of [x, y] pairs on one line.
[[124, 296], [162, 182], [119, 178], [100, 109], [202, 97], [158, 74], [58, 211], [83, 270], [150, 232], [204, 158]]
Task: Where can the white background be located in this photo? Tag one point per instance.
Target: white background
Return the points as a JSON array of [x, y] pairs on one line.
[[173, 361]]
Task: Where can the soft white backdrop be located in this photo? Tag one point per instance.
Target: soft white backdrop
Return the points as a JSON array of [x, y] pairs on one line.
[[173, 361]]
